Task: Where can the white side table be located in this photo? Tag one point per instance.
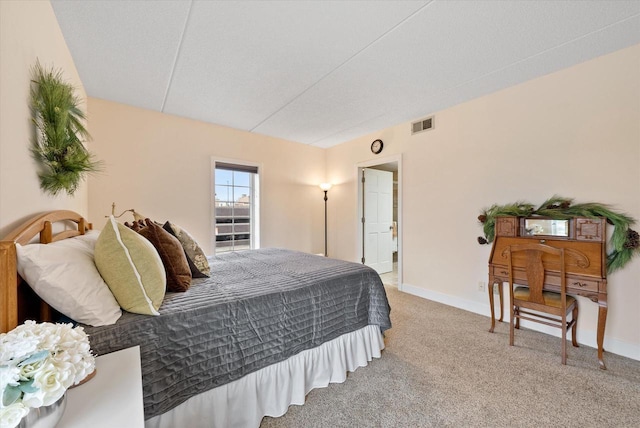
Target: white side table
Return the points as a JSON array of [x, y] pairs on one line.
[[113, 398]]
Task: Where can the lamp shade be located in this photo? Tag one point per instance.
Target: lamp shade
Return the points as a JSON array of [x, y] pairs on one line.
[[326, 186]]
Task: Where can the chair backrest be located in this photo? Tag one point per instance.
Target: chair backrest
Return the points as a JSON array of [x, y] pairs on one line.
[[533, 258]]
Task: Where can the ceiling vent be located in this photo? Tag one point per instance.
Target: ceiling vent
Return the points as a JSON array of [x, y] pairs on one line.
[[422, 125]]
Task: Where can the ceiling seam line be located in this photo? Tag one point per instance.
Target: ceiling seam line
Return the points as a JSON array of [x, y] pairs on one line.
[[341, 65], [539, 53], [496, 71], [344, 130], [175, 60]]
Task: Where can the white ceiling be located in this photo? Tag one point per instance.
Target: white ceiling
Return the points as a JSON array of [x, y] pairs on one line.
[[325, 72]]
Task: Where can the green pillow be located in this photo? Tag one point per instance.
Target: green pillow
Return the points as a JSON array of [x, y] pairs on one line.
[[131, 267]]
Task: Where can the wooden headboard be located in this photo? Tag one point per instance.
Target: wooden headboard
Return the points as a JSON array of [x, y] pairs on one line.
[[17, 301]]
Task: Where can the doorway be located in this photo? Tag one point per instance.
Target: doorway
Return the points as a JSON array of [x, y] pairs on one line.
[[379, 232]]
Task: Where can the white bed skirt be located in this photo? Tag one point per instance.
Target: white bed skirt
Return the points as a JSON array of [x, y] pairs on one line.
[[271, 390]]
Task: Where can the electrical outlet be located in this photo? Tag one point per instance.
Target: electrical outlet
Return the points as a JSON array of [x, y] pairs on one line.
[[481, 286]]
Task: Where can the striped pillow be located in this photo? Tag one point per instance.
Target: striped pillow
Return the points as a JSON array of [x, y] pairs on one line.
[[131, 267]]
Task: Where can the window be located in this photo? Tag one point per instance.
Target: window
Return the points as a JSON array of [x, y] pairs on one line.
[[235, 207]]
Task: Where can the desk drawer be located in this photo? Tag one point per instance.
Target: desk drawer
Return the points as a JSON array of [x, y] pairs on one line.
[[582, 284], [552, 280], [500, 272], [519, 275]]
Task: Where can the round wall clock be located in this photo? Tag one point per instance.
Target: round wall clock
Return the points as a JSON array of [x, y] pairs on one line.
[[376, 146]]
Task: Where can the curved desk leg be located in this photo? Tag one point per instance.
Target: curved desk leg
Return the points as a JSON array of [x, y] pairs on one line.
[[493, 314], [500, 291], [492, 283], [602, 320]]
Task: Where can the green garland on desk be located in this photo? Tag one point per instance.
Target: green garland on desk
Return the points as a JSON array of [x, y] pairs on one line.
[[625, 242]]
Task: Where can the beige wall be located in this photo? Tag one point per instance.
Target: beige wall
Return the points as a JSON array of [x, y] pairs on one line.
[[574, 133], [28, 30], [161, 165]]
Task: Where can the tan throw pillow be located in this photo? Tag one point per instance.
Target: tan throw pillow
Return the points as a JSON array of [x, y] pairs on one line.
[[199, 263], [131, 267], [171, 253]]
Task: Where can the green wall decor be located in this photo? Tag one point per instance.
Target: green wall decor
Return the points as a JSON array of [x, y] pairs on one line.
[[59, 133], [625, 242]]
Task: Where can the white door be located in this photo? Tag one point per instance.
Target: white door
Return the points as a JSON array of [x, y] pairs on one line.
[[378, 219]]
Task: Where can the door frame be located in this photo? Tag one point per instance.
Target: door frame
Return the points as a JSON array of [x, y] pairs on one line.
[[358, 224]]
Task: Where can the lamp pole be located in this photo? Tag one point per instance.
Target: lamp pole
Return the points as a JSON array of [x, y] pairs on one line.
[[325, 187], [325, 222]]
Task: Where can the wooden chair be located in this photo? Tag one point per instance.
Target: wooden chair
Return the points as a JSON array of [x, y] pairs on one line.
[[527, 262]]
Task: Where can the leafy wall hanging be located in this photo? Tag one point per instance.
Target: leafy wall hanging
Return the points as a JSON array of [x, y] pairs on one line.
[[60, 132], [625, 242]]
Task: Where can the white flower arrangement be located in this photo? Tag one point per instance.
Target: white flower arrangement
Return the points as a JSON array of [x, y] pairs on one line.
[[38, 362]]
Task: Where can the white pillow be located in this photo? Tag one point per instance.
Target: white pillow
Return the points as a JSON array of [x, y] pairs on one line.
[[64, 275]]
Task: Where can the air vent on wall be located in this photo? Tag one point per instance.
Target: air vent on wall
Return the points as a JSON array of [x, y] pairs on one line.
[[422, 125]]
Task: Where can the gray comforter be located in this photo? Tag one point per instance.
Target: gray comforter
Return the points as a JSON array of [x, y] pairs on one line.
[[258, 308]]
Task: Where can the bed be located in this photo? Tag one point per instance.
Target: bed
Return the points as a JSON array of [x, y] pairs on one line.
[[267, 327]]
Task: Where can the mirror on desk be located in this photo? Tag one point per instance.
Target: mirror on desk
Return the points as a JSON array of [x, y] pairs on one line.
[[548, 227]]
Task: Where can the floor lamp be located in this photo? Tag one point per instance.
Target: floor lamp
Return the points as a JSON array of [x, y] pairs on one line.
[[325, 187]]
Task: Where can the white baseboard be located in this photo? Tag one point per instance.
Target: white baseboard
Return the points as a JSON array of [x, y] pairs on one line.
[[615, 346]]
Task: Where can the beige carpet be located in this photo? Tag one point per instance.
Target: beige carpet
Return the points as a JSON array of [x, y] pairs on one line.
[[442, 368]]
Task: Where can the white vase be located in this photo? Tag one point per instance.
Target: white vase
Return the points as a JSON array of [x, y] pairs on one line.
[[45, 416]]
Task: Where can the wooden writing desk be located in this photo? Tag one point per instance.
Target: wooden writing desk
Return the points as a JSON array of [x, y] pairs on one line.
[[586, 263]]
